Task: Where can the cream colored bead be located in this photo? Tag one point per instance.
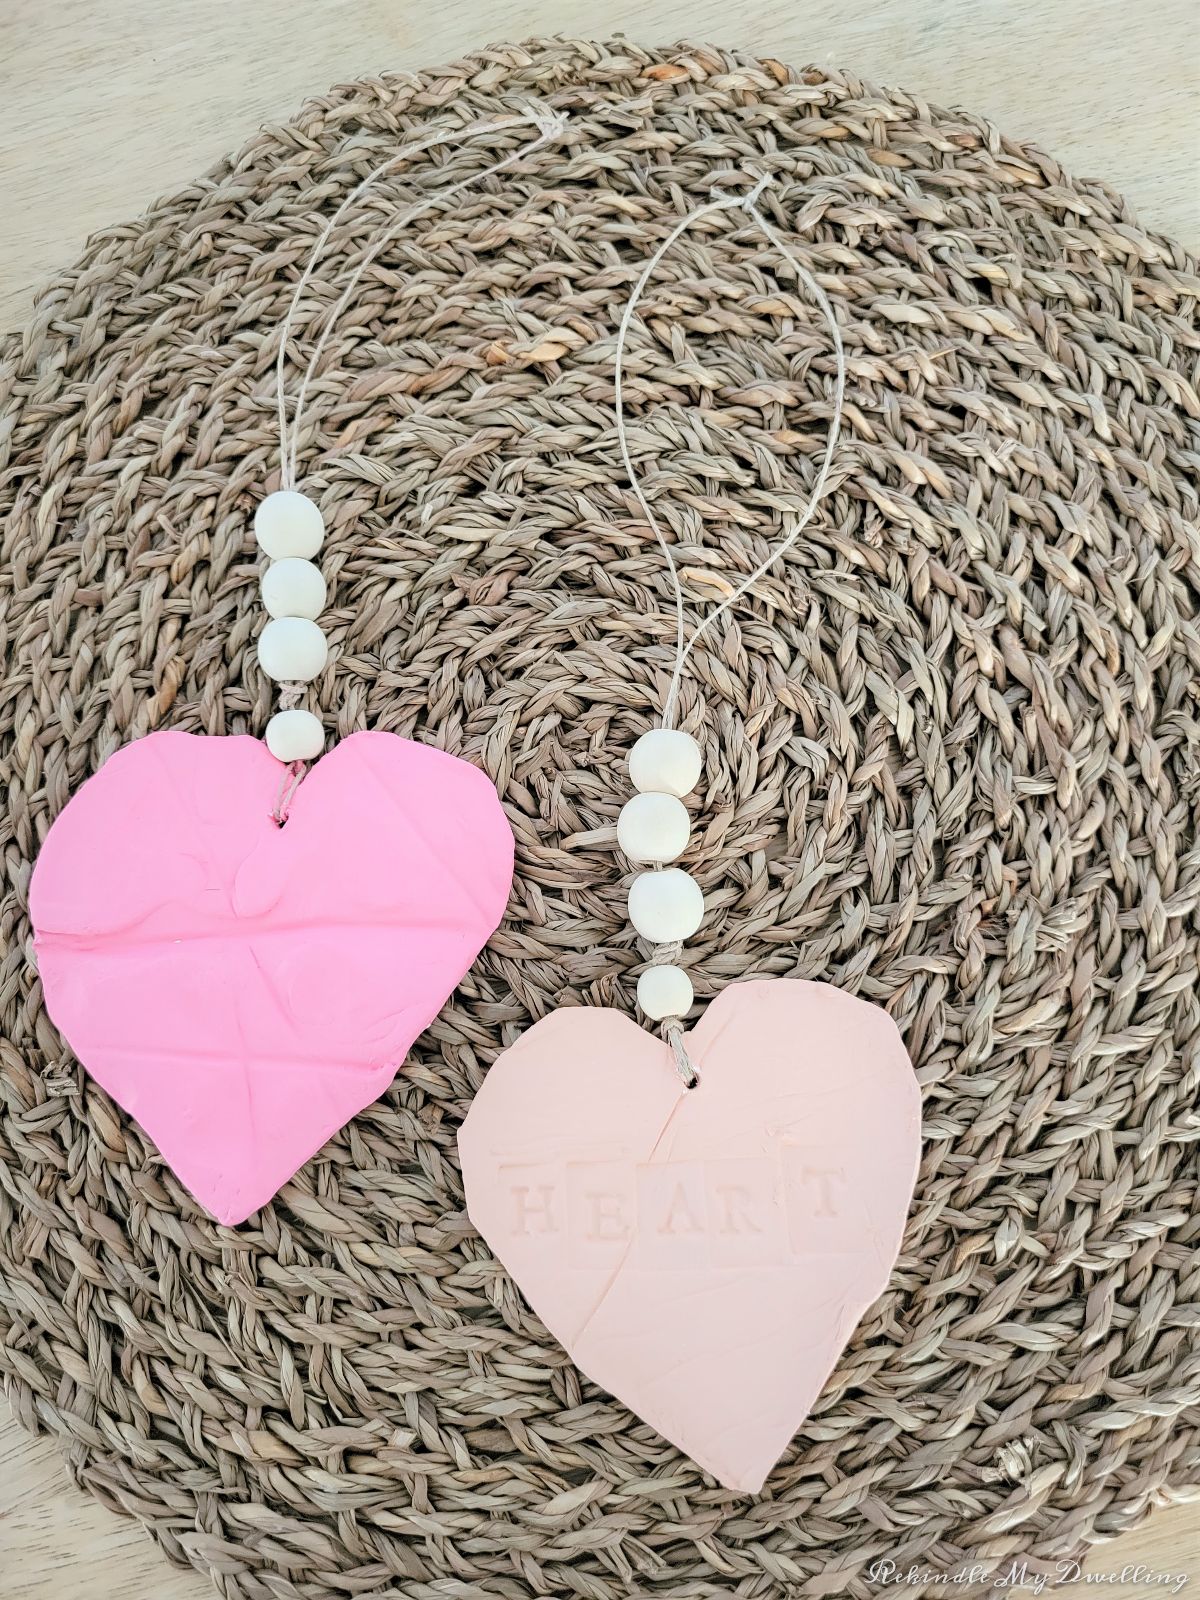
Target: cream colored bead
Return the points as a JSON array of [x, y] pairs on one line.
[[292, 649], [665, 992], [288, 523], [653, 827], [665, 761], [295, 735], [293, 588], [666, 906]]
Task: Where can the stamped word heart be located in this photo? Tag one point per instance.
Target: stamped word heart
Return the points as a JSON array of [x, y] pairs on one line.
[[241, 988], [704, 1254]]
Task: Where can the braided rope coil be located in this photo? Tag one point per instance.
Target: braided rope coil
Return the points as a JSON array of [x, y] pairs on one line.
[[951, 766]]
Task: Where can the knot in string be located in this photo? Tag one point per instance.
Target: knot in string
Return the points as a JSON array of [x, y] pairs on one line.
[[735, 202], [548, 123]]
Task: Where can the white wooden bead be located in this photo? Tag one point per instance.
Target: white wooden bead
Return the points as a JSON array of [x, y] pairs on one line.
[[295, 735], [653, 827], [293, 588], [665, 761], [287, 523], [664, 992], [292, 649], [666, 906]]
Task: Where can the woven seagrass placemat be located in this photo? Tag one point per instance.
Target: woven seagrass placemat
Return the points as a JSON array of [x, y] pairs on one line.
[[951, 767]]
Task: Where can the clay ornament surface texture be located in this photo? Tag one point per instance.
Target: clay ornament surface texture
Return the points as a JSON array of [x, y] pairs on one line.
[[705, 1254], [243, 989]]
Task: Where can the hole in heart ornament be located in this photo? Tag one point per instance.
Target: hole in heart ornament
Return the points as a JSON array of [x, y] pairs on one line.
[[243, 989], [704, 1254]]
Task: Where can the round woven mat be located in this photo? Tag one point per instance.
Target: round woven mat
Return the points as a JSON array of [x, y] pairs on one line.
[[951, 767]]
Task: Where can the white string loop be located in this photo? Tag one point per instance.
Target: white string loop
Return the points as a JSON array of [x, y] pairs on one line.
[[549, 124], [746, 202]]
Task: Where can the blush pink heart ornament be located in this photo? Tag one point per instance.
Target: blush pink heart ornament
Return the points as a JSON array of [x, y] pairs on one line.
[[241, 988], [705, 1254]]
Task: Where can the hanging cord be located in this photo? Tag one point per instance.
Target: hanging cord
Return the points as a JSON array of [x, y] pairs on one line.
[[746, 202], [672, 1026], [664, 955], [549, 124], [289, 782]]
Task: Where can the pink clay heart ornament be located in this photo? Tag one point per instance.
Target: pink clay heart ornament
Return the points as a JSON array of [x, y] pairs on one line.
[[704, 1255], [243, 989]]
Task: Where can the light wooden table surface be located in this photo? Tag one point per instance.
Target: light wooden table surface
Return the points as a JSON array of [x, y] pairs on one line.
[[105, 104]]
